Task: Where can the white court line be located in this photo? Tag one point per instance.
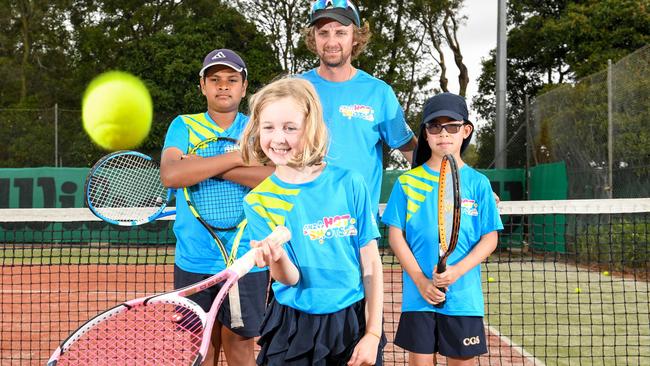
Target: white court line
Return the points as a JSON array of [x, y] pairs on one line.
[[516, 347]]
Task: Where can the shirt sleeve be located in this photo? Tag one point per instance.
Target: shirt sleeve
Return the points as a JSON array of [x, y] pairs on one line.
[[393, 129], [395, 212], [489, 213], [177, 135], [257, 225]]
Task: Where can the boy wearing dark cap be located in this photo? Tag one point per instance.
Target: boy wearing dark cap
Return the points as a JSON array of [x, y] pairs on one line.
[[361, 111], [223, 82], [455, 330]]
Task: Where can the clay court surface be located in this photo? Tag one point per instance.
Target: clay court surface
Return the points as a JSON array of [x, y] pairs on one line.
[[42, 304]]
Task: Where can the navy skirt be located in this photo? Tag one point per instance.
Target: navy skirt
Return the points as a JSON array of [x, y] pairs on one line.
[[291, 337]]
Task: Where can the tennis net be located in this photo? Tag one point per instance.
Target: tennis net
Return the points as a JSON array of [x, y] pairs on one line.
[[567, 285]]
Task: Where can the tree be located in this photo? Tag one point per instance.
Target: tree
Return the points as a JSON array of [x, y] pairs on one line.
[[551, 43]]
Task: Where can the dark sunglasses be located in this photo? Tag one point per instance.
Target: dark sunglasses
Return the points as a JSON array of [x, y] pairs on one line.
[[436, 128]]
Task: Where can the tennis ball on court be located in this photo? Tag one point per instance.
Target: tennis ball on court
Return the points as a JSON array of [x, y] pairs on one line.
[[577, 290], [606, 273], [491, 279], [117, 111]]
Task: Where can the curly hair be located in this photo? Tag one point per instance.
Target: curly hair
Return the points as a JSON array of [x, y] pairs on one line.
[[361, 37]]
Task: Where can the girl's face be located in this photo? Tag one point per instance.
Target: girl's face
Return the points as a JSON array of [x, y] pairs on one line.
[[281, 130], [449, 138]]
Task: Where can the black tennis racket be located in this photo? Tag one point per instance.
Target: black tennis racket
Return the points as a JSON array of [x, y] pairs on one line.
[[218, 205], [448, 213], [124, 188]]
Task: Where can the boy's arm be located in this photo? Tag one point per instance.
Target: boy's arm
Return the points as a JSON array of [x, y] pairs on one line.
[[407, 260], [249, 176], [481, 251], [179, 170], [365, 353]]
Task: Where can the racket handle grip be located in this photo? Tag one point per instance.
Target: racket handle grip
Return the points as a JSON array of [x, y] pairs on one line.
[[243, 265], [442, 266]]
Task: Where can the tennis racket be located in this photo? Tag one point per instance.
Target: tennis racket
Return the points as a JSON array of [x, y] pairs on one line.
[[163, 329], [448, 213], [124, 188], [218, 205]]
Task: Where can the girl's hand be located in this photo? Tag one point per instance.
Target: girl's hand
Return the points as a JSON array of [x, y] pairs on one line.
[[446, 278], [428, 291], [365, 353], [266, 253]]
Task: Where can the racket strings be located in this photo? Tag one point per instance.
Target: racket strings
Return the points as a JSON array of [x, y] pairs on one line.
[[218, 201], [127, 187], [155, 334]]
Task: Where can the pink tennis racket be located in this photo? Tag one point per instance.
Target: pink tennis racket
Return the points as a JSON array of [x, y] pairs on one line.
[[163, 329]]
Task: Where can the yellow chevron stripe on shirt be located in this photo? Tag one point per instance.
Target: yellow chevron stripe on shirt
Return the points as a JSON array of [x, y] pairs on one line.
[[268, 201], [412, 183], [271, 219], [268, 186], [199, 127]]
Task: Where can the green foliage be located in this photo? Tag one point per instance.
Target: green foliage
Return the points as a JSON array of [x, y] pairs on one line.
[[621, 244], [72, 41], [550, 43]]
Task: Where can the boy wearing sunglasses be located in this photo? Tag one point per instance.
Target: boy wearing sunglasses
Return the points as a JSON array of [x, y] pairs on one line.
[[456, 329], [361, 111]]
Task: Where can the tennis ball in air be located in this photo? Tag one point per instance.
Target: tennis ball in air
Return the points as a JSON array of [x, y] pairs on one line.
[[117, 111], [606, 273], [577, 290], [491, 279]]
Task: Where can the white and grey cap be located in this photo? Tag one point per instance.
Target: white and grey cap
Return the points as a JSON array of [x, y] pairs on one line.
[[224, 56]]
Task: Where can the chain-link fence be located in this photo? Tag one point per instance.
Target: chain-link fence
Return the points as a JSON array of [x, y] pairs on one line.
[[600, 127]]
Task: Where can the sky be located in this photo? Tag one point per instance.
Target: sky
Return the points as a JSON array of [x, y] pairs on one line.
[[477, 37]]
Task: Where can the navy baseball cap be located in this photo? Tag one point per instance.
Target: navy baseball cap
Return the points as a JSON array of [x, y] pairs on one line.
[[224, 56], [441, 105]]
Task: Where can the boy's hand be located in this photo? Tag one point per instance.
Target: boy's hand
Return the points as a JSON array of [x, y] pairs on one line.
[[365, 353]]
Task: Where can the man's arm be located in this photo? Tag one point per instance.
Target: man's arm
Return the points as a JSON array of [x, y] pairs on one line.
[[408, 148]]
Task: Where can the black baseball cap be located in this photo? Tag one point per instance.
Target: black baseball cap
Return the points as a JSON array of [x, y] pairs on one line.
[[441, 105]]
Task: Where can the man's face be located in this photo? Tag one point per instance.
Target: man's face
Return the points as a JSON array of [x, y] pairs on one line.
[[223, 88], [334, 42]]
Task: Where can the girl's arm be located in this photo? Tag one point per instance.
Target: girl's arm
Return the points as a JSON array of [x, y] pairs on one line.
[[482, 250], [407, 260], [276, 258], [365, 353]]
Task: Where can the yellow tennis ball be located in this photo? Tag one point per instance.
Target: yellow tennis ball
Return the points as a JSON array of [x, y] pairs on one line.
[[606, 273], [491, 279], [117, 111], [577, 290]]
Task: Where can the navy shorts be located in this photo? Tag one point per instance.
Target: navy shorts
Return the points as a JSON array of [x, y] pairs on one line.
[[252, 295], [452, 336]]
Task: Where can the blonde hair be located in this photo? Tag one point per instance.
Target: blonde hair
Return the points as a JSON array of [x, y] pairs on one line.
[[315, 136], [360, 38]]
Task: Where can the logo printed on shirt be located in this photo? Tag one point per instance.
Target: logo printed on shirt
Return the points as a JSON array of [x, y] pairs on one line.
[[469, 207], [357, 111], [331, 227]]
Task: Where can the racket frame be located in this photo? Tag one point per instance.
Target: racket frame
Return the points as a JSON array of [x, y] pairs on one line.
[[444, 251], [159, 213], [236, 313], [228, 277]]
